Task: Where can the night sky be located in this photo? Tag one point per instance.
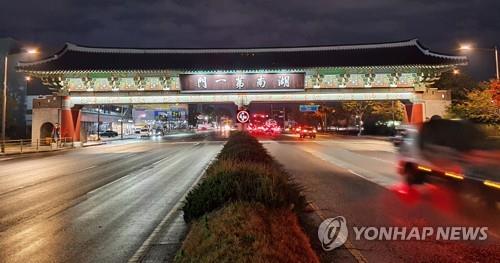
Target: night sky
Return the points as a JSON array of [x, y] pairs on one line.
[[440, 24]]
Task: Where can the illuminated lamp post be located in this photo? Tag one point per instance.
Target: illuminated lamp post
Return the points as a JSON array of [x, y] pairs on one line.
[[467, 47], [4, 94]]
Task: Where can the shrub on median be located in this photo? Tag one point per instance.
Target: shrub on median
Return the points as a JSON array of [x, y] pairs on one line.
[[243, 147], [231, 180], [247, 232]]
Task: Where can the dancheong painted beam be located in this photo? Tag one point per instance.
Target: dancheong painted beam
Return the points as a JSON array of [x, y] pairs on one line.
[[80, 71]]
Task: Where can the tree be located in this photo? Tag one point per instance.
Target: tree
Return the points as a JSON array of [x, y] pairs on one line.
[[357, 107], [388, 110], [360, 108], [374, 110], [493, 87], [323, 114], [480, 105], [459, 84]]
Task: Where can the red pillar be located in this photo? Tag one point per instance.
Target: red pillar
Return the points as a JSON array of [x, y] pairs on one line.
[[76, 116], [67, 125], [415, 113]]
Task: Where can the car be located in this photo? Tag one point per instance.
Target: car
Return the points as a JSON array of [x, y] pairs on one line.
[[108, 133], [307, 132], [145, 132], [456, 153], [159, 132], [401, 133]]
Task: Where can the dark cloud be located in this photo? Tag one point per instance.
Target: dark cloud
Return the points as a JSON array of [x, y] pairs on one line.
[[229, 23]]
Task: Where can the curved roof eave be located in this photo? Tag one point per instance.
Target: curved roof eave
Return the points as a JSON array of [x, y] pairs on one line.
[[121, 71], [461, 60]]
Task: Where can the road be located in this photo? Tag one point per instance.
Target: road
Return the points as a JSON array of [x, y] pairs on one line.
[[97, 204], [356, 178]]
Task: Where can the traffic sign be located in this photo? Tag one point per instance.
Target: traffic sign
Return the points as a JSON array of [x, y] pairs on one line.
[[308, 108], [242, 116]]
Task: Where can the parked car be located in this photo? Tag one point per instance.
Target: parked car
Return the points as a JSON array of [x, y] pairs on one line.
[[109, 133]]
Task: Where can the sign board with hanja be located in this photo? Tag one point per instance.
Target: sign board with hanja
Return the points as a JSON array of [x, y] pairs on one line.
[[244, 82], [308, 108]]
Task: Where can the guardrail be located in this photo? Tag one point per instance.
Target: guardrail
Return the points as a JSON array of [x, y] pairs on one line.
[[38, 145]]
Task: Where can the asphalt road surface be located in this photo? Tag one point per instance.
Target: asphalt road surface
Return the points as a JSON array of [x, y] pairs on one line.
[[356, 178], [97, 204]]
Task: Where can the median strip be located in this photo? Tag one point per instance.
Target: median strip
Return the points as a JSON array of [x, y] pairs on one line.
[[245, 209]]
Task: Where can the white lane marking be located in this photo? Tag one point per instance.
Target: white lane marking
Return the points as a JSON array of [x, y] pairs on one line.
[[143, 249], [159, 161], [364, 177], [374, 176], [142, 170], [85, 169], [382, 160], [174, 143]]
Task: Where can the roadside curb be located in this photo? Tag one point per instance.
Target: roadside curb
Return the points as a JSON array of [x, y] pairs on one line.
[[143, 250], [12, 156], [96, 144], [106, 142], [370, 137], [19, 155]]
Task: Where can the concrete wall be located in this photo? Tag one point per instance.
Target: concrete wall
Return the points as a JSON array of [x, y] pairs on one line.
[[41, 116], [436, 102], [435, 107]]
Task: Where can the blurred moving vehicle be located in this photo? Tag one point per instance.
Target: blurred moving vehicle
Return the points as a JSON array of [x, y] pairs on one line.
[[307, 132], [159, 132], [145, 132], [108, 133], [453, 151], [401, 131]]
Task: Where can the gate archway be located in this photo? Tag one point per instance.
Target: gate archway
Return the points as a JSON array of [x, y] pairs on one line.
[[46, 133]]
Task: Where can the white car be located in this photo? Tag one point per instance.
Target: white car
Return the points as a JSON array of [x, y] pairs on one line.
[[145, 132]]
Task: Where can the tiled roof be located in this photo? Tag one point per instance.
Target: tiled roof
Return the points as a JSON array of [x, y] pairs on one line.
[[81, 58]]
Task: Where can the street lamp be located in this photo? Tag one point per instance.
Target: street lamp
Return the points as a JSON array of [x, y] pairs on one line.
[[32, 51], [467, 47], [4, 97]]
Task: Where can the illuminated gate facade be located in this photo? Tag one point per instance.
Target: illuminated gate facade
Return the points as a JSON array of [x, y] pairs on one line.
[[94, 75]]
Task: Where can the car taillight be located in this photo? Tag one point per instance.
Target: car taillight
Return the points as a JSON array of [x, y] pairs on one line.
[[454, 175], [492, 184], [423, 168]]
